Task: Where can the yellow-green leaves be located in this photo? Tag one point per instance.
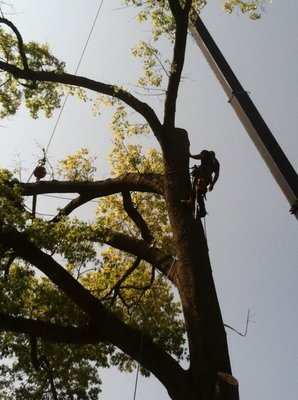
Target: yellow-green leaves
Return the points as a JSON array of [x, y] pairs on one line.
[[152, 65], [36, 95], [12, 211], [77, 167], [251, 7], [158, 13]]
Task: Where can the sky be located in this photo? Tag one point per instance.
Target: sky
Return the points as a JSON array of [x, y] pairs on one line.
[[251, 235]]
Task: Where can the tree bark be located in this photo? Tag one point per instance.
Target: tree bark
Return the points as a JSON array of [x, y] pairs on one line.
[[193, 275]]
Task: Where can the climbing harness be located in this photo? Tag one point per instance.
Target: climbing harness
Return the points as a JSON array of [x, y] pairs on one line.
[[198, 191]]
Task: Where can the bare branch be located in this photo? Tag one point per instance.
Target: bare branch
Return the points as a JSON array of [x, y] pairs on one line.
[[137, 218], [117, 286], [20, 41], [246, 326]]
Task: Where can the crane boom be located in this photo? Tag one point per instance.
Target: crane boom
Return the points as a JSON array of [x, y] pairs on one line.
[[257, 129]]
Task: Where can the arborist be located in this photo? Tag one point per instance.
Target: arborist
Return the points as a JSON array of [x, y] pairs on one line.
[[204, 178]]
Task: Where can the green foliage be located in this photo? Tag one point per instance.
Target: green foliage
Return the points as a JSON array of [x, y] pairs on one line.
[[159, 15], [12, 211], [78, 167], [152, 65], [68, 367], [36, 95], [73, 368], [144, 298], [250, 7]]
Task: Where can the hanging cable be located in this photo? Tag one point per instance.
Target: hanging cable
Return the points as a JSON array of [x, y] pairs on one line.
[[76, 71], [138, 369]]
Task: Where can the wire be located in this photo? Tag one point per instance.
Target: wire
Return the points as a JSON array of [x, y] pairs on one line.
[[76, 71], [138, 370], [64, 198], [89, 36], [136, 382]]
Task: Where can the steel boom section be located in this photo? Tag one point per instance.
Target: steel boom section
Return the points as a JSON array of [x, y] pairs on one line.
[[257, 129]]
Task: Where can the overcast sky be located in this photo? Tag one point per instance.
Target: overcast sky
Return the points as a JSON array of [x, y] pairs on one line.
[[251, 235]]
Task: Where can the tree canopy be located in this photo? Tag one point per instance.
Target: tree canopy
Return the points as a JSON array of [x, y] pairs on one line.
[[79, 295]]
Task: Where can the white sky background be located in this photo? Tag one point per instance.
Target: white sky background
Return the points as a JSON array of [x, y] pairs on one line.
[[251, 235]]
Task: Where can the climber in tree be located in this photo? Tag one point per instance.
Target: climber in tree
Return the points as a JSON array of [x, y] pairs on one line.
[[205, 176]]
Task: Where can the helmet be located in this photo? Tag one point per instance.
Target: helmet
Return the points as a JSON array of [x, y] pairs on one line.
[[204, 153]]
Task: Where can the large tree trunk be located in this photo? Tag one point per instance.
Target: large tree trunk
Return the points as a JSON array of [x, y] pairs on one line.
[[193, 277]]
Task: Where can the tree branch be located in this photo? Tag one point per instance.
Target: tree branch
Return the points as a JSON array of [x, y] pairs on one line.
[[50, 332], [137, 218], [117, 286], [134, 182], [139, 248], [246, 326], [90, 190], [181, 19], [108, 326], [20, 41], [72, 205], [33, 352], [99, 87]]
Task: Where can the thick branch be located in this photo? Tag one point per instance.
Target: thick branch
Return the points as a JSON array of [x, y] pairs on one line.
[[181, 19], [91, 190], [135, 182], [20, 41], [68, 79], [50, 332], [108, 325], [140, 248]]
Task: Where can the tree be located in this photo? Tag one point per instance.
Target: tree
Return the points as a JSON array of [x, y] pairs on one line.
[[95, 312]]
